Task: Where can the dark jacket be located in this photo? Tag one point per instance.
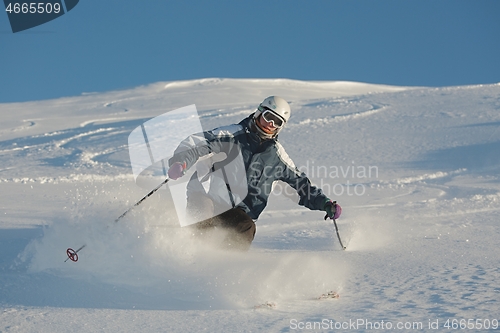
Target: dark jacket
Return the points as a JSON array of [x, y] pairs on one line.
[[265, 161]]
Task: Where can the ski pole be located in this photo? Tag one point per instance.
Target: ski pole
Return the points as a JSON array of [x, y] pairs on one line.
[[338, 235], [144, 198], [336, 229], [73, 255]]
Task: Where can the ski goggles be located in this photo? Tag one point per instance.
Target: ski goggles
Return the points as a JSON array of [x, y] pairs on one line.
[[271, 117]]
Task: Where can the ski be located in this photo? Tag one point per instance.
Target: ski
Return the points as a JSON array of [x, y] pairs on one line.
[[272, 305], [266, 305], [329, 295]]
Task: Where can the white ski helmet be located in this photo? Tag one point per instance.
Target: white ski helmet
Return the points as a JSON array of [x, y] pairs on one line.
[[278, 106]]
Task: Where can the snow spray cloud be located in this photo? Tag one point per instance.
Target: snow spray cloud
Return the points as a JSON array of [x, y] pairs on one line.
[[152, 144], [29, 14]]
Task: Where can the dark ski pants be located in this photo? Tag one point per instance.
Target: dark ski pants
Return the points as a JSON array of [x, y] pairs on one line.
[[238, 228]]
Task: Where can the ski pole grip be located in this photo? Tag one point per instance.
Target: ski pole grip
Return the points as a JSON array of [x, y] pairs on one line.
[[334, 203]]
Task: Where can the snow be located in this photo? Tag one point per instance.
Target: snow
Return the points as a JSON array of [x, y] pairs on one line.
[[416, 170]]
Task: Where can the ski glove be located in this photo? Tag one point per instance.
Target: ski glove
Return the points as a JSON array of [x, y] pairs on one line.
[[333, 210], [177, 170]]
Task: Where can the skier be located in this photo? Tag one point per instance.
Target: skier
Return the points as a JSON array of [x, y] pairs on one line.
[[265, 161]]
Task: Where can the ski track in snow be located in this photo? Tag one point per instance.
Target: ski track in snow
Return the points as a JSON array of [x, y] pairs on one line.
[[421, 239]]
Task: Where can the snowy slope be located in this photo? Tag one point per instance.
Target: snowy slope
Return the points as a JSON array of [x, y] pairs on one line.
[[416, 170]]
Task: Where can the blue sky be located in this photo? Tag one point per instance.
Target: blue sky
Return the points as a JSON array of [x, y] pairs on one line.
[[104, 45]]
